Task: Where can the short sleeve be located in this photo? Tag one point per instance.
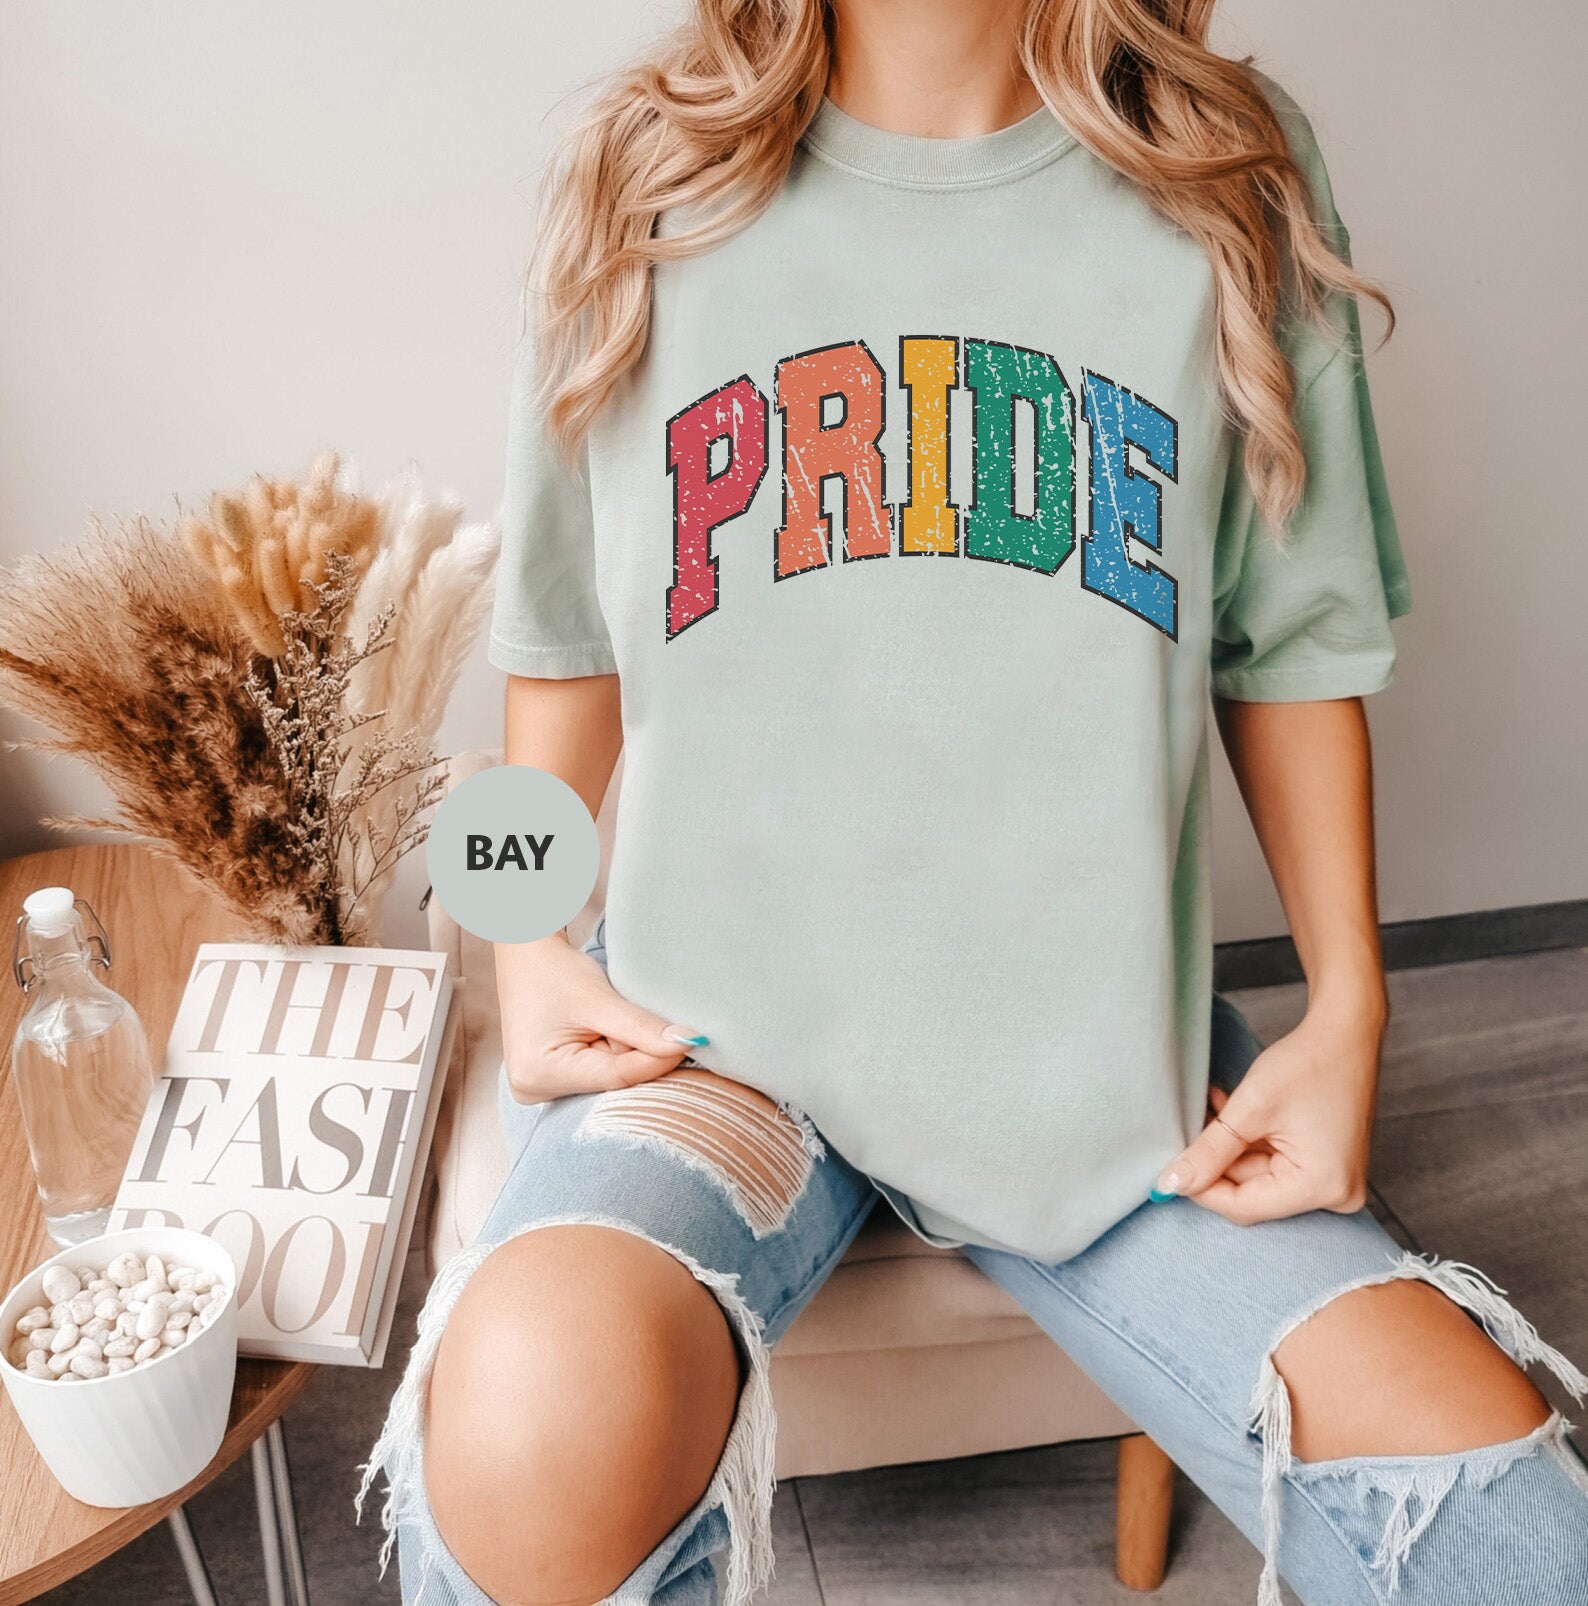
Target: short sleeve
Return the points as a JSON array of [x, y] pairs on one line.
[[546, 622], [1307, 617]]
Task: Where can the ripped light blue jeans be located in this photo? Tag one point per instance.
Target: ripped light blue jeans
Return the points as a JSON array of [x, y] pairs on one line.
[[1175, 1313]]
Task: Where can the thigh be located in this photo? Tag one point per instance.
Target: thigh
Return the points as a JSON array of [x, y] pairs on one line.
[[1176, 1309], [746, 1192], [717, 1176]]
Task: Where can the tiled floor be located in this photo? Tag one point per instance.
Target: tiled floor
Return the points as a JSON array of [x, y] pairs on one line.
[[1482, 1137]]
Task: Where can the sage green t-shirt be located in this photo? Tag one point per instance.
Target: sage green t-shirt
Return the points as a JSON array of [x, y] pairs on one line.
[[918, 537]]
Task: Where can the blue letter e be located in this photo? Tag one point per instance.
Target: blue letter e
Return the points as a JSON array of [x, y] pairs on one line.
[[1125, 503]]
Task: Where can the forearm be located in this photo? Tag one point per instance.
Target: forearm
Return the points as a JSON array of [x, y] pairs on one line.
[[1305, 772], [564, 1029], [570, 728]]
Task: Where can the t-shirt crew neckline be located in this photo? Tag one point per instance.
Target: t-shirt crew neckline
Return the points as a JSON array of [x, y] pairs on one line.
[[915, 161]]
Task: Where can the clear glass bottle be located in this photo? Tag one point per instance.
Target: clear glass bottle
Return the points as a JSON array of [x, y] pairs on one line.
[[80, 1062]]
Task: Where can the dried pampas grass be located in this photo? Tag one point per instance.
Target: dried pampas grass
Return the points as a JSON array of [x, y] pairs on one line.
[[270, 546], [431, 575], [123, 648], [260, 689]]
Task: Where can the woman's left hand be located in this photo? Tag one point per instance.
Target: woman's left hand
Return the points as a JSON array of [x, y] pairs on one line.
[[1295, 1133]]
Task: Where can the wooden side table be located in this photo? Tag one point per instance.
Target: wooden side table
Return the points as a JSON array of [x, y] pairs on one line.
[[156, 916]]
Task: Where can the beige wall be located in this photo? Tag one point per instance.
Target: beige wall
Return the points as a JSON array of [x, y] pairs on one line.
[[1456, 135], [231, 235]]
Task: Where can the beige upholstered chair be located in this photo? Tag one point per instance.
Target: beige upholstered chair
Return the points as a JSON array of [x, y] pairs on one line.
[[907, 1354]]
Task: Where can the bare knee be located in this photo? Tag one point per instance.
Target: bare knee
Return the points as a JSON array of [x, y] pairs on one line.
[[1397, 1369], [582, 1393]]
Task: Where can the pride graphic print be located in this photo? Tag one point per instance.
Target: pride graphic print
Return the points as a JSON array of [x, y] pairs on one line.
[[832, 404]]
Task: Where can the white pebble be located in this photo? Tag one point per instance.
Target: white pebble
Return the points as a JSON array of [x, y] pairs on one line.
[[61, 1283], [60, 1361], [87, 1366], [19, 1351], [184, 1301], [108, 1308], [150, 1346], [178, 1318], [154, 1270], [147, 1289], [29, 1319], [99, 1328], [174, 1337], [204, 1282], [127, 1322], [38, 1364], [81, 1306], [41, 1338], [120, 1347], [119, 1363], [125, 1270], [101, 1286], [66, 1338], [60, 1313], [151, 1319]]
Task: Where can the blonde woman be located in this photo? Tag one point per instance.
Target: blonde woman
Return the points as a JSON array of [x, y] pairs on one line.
[[927, 403]]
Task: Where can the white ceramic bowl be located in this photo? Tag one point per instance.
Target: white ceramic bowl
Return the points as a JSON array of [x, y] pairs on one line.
[[130, 1437]]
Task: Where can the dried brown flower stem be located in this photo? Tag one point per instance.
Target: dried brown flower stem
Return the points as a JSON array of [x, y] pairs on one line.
[[303, 702]]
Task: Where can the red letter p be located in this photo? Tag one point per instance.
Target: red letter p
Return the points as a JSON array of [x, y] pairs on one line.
[[702, 499]]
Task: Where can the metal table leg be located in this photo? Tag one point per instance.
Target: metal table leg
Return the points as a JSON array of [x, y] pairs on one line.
[[287, 1515], [198, 1575], [269, 1526]]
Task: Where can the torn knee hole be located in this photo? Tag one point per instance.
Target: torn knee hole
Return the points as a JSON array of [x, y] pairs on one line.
[[758, 1153], [1354, 1352], [1395, 1369]]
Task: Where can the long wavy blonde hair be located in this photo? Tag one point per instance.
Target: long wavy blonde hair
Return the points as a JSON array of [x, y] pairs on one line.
[[712, 119]]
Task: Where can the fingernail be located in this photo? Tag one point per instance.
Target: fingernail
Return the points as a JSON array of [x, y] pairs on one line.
[[690, 1039], [1167, 1187]]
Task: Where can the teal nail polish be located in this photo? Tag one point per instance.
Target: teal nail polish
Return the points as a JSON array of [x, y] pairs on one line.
[[698, 1040], [1158, 1196]]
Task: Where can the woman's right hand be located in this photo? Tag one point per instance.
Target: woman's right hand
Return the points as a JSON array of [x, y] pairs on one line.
[[566, 1030]]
